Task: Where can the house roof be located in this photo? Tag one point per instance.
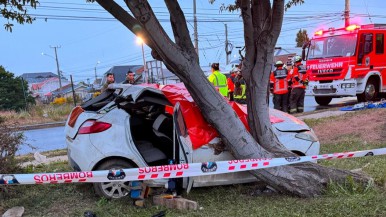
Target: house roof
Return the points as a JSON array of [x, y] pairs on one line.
[[38, 77], [67, 88], [39, 85]]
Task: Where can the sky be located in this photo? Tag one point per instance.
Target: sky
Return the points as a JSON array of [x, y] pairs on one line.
[[90, 40]]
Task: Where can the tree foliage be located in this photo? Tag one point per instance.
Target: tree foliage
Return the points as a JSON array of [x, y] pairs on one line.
[[14, 93], [16, 10], [301, 38]]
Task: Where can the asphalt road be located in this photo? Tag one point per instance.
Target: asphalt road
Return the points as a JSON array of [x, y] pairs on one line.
[[53, 138]]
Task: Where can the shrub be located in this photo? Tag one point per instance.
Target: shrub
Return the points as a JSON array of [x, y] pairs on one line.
[[59, 101], [10, 140]]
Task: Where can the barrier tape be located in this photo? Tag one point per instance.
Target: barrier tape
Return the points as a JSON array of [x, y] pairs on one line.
[[175, 170]]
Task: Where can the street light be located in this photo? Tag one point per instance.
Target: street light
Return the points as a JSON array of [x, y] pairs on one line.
[[57, 67], [140, 41], [95, 69]]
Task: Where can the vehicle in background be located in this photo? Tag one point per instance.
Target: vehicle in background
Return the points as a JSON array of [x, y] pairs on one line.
[[131, 126], [347, 61]]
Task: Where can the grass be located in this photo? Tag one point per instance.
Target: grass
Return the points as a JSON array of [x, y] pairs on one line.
[[39, 114], [350, 199]]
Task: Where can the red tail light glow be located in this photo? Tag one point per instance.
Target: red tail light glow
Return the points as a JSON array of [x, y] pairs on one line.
[[93, 126]]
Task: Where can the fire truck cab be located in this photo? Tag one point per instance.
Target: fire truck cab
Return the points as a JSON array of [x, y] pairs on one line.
[[349, 61]]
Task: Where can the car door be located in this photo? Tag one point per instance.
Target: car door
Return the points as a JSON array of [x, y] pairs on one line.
[[182, 144]]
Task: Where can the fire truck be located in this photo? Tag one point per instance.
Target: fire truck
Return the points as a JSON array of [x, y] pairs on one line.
[[348, 61]]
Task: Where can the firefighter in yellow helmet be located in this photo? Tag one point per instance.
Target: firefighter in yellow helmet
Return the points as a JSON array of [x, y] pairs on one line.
[[218, 80]]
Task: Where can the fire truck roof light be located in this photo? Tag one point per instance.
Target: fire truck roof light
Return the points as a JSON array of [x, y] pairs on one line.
[[352, 27], [319, 33]]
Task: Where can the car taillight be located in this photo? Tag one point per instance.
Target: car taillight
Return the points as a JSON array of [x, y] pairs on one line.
[[93, 126]]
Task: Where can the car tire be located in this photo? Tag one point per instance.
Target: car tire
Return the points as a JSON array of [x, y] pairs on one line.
[[370, 93], [323, 100], [113, 190]]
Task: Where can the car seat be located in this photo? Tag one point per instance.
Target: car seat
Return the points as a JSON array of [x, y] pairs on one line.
[[162, 127], [163, 130]]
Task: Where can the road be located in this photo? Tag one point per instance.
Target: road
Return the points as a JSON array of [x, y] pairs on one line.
[[43, 140], [54, 138], [311, 105]]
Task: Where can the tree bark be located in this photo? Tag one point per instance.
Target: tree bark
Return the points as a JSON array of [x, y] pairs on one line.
[[305, 180]]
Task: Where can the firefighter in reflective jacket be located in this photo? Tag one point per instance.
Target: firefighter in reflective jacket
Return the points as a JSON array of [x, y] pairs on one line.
[[240, 88], [299, 83], [279, 86], [218, 80]]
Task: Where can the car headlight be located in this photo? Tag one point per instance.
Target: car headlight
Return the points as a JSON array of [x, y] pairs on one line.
[[307, 135]]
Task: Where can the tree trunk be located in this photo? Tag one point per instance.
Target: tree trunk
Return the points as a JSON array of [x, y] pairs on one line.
[[304, 180]]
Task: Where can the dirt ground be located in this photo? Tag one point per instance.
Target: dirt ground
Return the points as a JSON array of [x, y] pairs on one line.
[[368, 126]]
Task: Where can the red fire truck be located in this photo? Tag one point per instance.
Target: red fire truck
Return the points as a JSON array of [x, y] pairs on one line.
[[349, 61]]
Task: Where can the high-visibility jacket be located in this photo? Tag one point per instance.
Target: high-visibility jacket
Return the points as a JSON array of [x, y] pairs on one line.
[[279, 80], [219, 81], [239, 84], [299, 76]]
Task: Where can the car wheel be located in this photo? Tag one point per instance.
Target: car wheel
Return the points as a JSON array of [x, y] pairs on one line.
[[370, 93], [113, 190], [322, 100]]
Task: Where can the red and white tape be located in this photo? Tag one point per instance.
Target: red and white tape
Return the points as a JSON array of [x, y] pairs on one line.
[[175, 170]]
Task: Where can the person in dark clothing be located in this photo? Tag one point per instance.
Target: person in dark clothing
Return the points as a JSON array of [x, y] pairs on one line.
[[299, 84], [279, 87], [130, 78], [109, 80]]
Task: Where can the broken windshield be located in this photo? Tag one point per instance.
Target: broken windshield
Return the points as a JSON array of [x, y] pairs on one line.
[[333, 46]]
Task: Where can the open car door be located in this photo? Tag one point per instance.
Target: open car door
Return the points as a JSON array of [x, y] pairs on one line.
[[182, 144]]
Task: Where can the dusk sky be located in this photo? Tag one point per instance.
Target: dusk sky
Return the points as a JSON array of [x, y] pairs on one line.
[[86, 34]]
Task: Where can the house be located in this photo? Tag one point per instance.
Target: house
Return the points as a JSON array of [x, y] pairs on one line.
[[43, 90], [42, 83], [80, 89], [37, 77]]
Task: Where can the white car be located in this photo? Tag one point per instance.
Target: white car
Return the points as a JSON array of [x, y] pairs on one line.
[[133, 126]]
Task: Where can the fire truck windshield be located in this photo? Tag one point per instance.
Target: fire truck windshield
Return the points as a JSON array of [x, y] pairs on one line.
[[332, 46]]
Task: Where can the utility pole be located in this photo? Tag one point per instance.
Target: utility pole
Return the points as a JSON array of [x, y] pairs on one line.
[[22, 87], [347, 13], [226, 44], [195, 27], [73, 91], [57, 64]]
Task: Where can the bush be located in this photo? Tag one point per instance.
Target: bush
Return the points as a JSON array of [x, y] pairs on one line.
[[59, 101], [10, 140]]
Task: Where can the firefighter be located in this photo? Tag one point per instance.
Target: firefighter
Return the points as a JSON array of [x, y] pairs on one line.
[[299, 80], [231, 83], [218, 80], [279, 86], [240, 88]]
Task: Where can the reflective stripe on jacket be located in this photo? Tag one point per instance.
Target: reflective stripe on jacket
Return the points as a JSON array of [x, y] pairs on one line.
[[279, 79], [219, 81], [242, 95], [299, 74]]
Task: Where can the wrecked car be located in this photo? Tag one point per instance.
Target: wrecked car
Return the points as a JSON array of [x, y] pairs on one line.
[[135, 126]]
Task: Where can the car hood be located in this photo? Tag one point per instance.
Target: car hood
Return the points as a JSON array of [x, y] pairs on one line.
[[289, 123]]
